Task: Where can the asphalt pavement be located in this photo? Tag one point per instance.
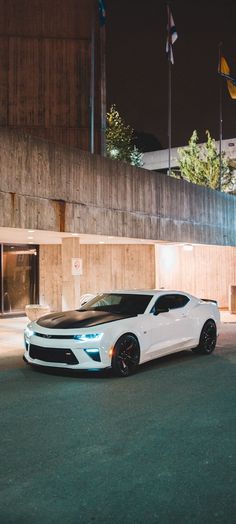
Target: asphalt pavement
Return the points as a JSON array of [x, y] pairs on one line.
[[84, 448]]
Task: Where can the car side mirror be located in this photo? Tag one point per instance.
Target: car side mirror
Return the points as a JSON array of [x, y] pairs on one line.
[[161, 310]]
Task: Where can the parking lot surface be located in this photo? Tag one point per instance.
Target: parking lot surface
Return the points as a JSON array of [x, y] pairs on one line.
[[157, 447]]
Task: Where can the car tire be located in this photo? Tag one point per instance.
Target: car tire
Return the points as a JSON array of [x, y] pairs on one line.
[[207, 341], [126, 355]]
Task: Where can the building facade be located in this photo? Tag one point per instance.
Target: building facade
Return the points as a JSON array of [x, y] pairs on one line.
[[48, 62], [61, 204], [121, 221]]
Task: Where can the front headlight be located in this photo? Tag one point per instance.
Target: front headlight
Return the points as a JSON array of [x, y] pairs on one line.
[[86, 337], [28, 332]]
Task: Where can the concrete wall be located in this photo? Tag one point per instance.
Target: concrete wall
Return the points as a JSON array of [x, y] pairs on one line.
[[206, 271], [50, 276], [51, 187], [117, 267], [104, 267], [45, 63]]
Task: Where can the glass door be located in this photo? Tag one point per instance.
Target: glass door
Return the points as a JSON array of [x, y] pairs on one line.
[[19, 277]]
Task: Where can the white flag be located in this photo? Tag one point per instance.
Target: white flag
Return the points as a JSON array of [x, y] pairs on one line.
[[171, 35]]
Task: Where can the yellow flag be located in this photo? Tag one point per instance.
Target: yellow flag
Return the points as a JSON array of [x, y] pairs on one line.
[[225, 72]]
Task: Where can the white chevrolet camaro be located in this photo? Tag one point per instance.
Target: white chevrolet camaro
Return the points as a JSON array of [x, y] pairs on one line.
[[122, 329]]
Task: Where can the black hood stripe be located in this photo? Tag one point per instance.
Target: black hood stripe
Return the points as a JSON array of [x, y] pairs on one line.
[[79, 319]]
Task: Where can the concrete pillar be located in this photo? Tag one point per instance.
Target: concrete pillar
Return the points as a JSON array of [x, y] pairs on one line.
[[70, 281]]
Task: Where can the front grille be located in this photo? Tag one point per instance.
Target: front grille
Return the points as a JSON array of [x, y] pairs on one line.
[[59, 355], [43, 335]]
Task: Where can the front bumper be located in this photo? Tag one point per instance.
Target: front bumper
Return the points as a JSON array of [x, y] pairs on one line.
[[65, 353]]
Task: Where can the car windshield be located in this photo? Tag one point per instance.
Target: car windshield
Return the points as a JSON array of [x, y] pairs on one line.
[[121, 303]]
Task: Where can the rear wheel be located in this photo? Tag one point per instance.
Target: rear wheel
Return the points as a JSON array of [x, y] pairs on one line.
[[125, 356], [207, 341]]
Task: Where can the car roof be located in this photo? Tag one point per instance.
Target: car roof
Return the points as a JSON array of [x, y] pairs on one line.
[[149, 292]]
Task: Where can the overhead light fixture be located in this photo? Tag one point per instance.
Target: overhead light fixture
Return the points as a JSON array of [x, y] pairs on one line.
[[31, 230], [187, 247], [75, 234]]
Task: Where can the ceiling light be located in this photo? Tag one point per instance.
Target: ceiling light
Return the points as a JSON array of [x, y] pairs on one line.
[[187, 247]]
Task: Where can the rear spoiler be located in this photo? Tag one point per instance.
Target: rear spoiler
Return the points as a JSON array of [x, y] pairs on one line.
[[209, 300]]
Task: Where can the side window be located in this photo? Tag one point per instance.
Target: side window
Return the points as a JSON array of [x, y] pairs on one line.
[[170, 301]]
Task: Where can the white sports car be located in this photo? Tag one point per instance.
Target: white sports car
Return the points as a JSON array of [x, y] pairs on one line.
[[122, 329]]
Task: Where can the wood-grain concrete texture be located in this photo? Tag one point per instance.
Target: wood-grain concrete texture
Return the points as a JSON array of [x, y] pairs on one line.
[[45, 67], [56, 188], [206, 271], [105, 267]]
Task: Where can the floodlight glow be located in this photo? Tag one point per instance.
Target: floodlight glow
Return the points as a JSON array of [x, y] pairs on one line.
[[187, 247], [114, 152]]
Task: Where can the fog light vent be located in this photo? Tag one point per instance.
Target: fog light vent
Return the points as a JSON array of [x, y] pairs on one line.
[[94, 354]]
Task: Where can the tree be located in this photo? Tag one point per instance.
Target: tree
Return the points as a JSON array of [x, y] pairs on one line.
[[119, 139], [136, 157], [200, 164], [119, 136]]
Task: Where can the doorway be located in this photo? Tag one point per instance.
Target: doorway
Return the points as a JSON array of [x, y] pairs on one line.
[[19, 278]]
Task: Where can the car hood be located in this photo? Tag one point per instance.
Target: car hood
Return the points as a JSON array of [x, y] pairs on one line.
[[78, 319]]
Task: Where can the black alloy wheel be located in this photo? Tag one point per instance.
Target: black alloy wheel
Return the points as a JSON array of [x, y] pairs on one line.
[[207, 341], [126, 355]]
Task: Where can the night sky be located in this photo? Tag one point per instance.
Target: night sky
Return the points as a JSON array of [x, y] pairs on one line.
[[137, 67]]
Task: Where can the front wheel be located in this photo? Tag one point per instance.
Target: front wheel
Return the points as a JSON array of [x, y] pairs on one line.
[[207, 341], [126, 354]]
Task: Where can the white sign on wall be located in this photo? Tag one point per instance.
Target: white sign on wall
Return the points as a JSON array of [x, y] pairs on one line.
[[76, 266]]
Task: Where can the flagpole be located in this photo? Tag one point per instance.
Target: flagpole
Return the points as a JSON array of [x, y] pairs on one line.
[[220, 116], [169, 88], [169, 116], [92, 79], [103, 88]]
